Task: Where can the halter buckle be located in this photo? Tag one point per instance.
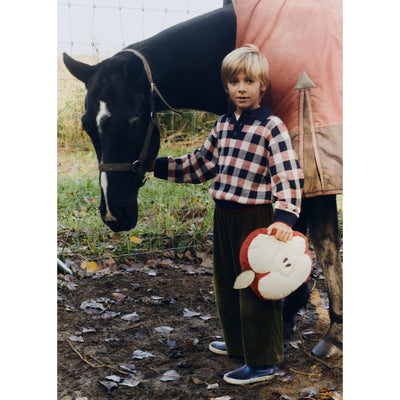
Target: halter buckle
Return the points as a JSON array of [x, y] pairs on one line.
[[136, 166]]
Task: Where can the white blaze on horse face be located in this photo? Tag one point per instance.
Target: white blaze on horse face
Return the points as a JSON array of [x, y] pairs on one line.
[[103, 112], [104, 185]]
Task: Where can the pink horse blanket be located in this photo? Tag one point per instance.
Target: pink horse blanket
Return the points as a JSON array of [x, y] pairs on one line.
[[302, 40]]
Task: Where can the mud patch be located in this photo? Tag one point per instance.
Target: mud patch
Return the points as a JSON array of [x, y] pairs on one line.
[[153, 326]]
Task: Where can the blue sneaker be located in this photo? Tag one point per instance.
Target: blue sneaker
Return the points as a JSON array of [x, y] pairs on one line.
[[218, 348], [245, 375]]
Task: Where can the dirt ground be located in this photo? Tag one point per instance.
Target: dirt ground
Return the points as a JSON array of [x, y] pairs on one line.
[[141, 331]]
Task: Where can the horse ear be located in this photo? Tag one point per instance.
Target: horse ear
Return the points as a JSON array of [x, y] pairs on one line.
[[78, 69]]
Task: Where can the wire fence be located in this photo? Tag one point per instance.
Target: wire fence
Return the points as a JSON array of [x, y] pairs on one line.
[[173, 219]]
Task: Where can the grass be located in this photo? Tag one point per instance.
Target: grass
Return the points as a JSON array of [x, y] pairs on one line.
[[172, 217]]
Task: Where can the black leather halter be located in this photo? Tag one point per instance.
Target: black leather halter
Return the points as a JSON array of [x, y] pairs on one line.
[[137, 165]]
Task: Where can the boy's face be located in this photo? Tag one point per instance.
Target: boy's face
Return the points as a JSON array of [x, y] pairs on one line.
[[245, 92]]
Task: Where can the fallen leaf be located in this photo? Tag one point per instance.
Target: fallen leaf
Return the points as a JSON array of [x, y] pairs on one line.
[[79, 214], [89, 200], [153, 263], [134, 317], [110, 263], [190, 313], [164, 329], [287, 378], [191, 342], [109, 385], [213, 386], [111, 339], [188, 255], [335, 395], [118, 297], [92, 307], [295, 343], [109, 314], [116, 236], [310, 391], [207, 262], [114, 378], [89, 266], [151, 300], [166, 262], [197, 381], [129, 368], [76, 338], [170, 375], [71, 286], [139, 354], [189, 269], [83, 329], [221, 398], [131, 380], [135, 239]]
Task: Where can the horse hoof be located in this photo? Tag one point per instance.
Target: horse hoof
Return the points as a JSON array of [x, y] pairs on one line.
[[326, 350]]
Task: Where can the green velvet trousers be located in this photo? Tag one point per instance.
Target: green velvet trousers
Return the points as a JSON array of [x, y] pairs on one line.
[[252, 327]]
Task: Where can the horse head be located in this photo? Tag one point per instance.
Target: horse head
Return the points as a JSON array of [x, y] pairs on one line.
[[118, 117]]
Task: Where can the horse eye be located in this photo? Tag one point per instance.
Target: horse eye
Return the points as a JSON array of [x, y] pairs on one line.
[[135, 123]]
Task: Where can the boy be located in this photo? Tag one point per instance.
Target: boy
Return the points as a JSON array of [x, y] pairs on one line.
[[252, 159]]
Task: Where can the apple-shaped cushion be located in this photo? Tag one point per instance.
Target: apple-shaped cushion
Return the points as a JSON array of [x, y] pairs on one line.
[[272, 268]]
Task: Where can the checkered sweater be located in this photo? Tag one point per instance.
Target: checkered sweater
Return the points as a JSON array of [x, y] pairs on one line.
[[252, 160]]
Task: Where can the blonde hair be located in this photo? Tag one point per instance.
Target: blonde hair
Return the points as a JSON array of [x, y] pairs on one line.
[[247, 59]]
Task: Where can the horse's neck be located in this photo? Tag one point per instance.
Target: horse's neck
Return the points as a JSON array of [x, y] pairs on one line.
[[186, 61]]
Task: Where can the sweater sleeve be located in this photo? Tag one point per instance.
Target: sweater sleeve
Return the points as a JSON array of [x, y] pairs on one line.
[[287, 177], [197, 167]]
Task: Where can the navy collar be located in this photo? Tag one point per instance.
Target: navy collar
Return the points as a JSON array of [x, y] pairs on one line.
[[260, 113]]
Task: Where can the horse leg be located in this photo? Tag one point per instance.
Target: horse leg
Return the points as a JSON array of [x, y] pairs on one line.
[[324, 233], [299, 298]]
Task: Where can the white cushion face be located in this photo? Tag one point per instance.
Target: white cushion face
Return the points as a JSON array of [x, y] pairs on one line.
[[260, 259], [275, 268]]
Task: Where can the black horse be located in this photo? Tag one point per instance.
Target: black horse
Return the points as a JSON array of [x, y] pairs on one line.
[[182, 64]]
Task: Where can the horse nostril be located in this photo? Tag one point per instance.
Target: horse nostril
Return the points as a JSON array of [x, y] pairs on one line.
[[288, 265], [285, 259]]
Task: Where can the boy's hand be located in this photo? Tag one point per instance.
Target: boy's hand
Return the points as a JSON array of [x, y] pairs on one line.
[[283, 232]]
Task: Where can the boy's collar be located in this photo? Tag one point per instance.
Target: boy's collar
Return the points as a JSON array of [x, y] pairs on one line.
[[259, 113]]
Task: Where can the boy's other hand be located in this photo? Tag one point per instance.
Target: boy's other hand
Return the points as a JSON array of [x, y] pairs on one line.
[[282, 232]]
